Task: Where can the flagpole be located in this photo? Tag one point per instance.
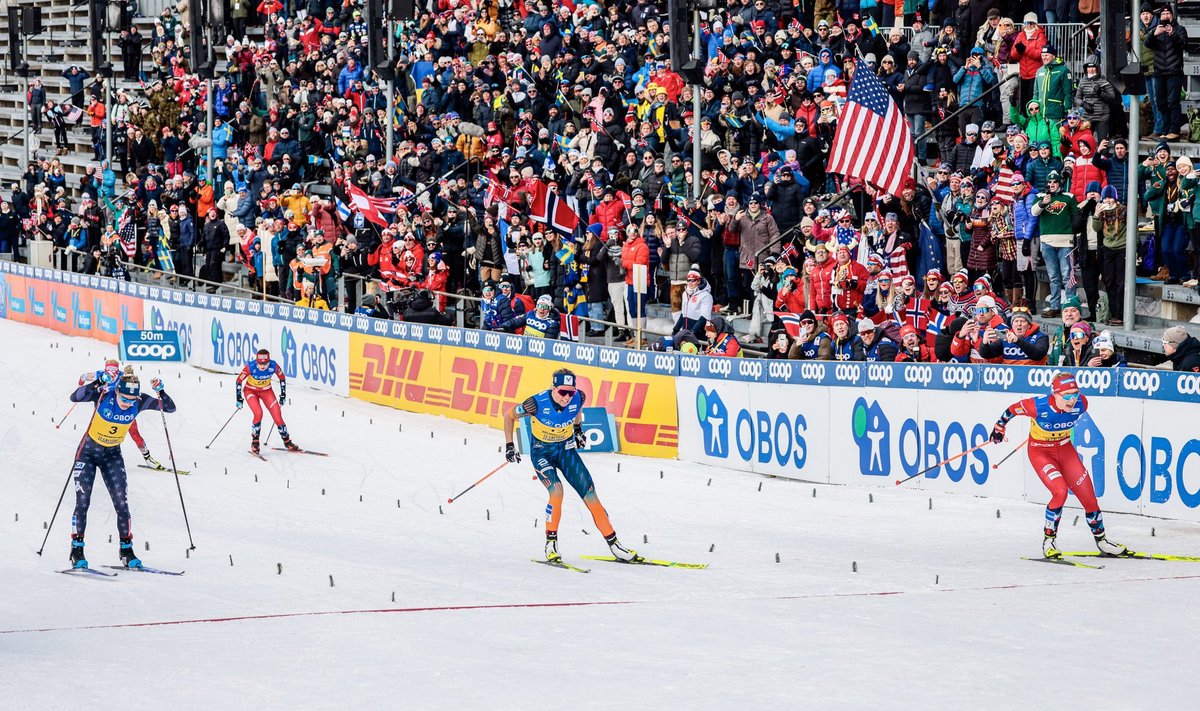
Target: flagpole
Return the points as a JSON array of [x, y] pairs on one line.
[[391, 91], [696, 109]]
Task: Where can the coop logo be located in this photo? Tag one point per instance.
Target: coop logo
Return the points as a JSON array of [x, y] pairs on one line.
[[811, 371], [758, 436], [779, 370], [159, 323], [317, 364], [689, 365], [752, 369], [714, 422], [231, 347], [847, 372], [720, 366], [1140, 381], [879, 373], [1002, 377], [1188, 385], [870, 431], [1095, 379], [162, 346], [919, 374], [1039, 378], [585, 354], [958, 375], [537, 347]]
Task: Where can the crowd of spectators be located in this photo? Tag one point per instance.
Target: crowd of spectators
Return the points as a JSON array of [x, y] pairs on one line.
[[499, 103]]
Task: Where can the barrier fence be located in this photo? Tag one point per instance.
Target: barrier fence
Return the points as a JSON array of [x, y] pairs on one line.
[[834, 422]]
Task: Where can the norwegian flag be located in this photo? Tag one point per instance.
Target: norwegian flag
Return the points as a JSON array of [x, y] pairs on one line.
[[938, 320], [568, 327], [791, 322], [550, 208], [790, 252]]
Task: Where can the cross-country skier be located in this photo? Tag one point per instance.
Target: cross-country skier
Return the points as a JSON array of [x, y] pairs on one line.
[[117, 405], [1055, 460], [255, 379], [112, 370], [555, 437]]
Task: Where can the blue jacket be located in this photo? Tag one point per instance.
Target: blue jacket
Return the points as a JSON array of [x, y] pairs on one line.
[[222, 136], [817, 76], [187, 232], [1024, 221], [494, 313], [971, 83]]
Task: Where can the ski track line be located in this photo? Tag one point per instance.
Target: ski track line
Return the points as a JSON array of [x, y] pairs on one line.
[[582, 603]]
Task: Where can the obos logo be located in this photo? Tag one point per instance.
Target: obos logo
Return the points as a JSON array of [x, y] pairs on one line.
[[714, 422], [1141, 381], [871, 432], [920, 374], [313, 363], [233, 347], [760, 436], [158, 323], [1004, 377]]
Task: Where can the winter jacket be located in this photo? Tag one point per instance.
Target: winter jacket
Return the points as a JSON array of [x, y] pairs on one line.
[[818, 346], [1055, 219], [1169, 49], [1030, 349], [1054, 90], [756, 233], [696, 307], [1027, 52], [1094, 97], [972, 83], [1187, 356], [634, 251], [1024, 221]]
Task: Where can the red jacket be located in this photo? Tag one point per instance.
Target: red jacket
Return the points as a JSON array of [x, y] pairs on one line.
[[609, 214], [851, 279], [822, 281], [1027, 52], [634, 252]]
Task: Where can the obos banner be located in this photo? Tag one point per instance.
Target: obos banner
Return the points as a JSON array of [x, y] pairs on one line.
[[473, 375]]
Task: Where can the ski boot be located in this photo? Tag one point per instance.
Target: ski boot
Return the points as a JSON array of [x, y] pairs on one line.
[[129, 559], [1050, 547], [151, 461], [552, 547], [290, 445], [254, 443], [1108, 549], [620, 552], [77, 559]]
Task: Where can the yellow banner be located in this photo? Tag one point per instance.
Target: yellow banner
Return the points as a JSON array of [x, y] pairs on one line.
[[476, 385]]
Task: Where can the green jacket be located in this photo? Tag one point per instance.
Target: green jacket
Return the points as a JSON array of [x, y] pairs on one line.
[[1053, 89], [1055, 218], [1156, 196], [1037, 128]]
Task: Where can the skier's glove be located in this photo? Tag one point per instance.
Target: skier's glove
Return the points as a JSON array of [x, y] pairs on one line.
[[106, 377], [156, 385], [997, 433], [511, 453], [580, 437], [240, 400]]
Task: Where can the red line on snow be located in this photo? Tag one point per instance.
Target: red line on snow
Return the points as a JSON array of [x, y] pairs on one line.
[[584, 603]]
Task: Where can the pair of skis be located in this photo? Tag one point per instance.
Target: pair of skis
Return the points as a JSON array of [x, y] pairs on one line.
[[560, 563], [101, 573], [1097, 554], [161, 468], [285, 449]]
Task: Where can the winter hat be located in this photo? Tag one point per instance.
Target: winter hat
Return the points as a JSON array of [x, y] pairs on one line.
[[1081, 327], [545, 300], [934, 273], [1092, 187], [1175, 335], [839, 318], [790, 271], [1064, 383], [907, 330], [1048, 48], [693, 274], [1182, 161], [866, 325], [1109, 191], [1022, 313], [1072, 302], [807, 315], [1103, 341], [985, 302]]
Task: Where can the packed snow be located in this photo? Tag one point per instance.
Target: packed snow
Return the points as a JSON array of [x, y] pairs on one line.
[[348, 582]]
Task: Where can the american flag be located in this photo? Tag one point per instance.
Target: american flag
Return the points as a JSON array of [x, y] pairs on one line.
[[1002, 188], [873, 140]]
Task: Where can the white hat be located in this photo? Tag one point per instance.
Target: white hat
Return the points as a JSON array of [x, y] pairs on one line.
[[865, 325], [985, 302], [1104, 340]]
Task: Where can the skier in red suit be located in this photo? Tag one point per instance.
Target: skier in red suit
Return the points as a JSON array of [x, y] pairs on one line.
[[255, 380]]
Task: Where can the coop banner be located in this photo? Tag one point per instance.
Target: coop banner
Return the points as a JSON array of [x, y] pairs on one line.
[[473, 376]]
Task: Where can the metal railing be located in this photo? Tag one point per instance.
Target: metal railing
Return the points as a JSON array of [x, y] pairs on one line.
[[150, 275]]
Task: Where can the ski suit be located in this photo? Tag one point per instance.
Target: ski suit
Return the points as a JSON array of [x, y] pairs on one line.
[[552, 450], [1054, 457], [134, 434], [101, 448], [255, 382]]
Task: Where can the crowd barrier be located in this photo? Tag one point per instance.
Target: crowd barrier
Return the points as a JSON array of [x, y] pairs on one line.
[[840, 423]]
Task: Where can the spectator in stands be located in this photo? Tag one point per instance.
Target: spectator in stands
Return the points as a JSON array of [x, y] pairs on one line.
[[1182, 349], [721, 341], [1104, 353], [1168, 41], [1072, 313]]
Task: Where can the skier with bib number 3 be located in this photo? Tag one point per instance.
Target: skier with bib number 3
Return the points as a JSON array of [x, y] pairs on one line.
[[255, 380], [117, 406], [112, 371], [556, 434], [1055, 460]]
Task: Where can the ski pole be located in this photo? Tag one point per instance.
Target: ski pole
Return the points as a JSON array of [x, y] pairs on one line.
[[271, 429], [60, 500], [485, 476], [981, 445], [218, 434], [1018, 449], [69, 411], [171, 453]]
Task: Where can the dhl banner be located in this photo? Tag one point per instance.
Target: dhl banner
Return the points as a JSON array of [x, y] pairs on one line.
[[474, 381]]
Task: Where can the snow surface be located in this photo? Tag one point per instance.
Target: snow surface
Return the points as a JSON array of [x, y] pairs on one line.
[[438, 606]]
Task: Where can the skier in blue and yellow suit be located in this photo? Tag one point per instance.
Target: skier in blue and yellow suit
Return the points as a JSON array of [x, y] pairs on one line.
[[118, 402], [555, 438]]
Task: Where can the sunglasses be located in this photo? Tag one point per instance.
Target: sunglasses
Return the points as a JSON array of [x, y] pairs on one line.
[[982, 310], [1078, 336], [1073, 396], [845, 221], [565, 392]]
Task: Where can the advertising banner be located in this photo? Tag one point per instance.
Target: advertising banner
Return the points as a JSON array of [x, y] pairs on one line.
[[474, 382]]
